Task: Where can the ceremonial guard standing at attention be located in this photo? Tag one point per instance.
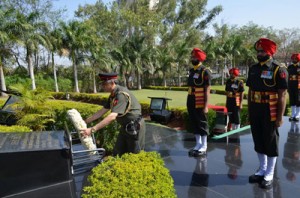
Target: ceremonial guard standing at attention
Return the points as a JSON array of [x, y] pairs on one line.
[[235, 93], [199, 82], [268, 84], [294, 87]]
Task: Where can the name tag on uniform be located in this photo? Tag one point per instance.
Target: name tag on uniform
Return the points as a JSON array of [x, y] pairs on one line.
[[196, 75], [234, 86], [266, 74]]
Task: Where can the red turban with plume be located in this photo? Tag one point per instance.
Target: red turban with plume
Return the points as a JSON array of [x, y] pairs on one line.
[[267, 45], [234, 71], [296, 56], [199, 54]]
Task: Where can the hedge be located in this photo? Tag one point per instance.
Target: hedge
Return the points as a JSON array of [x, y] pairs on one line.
[[132, 175]]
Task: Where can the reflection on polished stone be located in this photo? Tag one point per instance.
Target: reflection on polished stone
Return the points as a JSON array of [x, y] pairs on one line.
[[229, 162]]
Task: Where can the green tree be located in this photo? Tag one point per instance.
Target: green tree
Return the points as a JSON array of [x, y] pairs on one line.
[[75, 39], [7, 39]]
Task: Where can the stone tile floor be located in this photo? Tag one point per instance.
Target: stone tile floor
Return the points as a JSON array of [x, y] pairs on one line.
[[225, 170]]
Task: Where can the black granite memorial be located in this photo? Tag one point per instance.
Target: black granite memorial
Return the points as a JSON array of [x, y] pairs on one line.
[[35, 164]]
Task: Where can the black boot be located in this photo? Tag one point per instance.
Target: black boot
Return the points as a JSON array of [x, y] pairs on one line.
[[192, 152], [266, 184], [199, 153], [256, 178]]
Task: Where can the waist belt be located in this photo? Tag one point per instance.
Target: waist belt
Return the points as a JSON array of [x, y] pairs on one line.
[[231, 94], [293, 77], [263, 97]]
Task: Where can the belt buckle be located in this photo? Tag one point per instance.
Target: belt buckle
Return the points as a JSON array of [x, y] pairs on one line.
[[257, 97]]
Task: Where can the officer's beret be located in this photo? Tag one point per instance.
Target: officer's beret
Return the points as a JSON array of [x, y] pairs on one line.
[[108, 76], [267, 45], [234, 71], [296, 56], [199, 54]]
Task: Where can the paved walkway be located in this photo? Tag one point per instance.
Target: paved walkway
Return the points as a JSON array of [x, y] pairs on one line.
[[229, 162]]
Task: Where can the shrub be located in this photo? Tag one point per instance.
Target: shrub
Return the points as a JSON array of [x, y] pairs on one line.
[[105, 138], [15, 128], [132, 175]]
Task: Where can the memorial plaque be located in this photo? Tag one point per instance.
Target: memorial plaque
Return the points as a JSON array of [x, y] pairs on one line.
[[35, 160]]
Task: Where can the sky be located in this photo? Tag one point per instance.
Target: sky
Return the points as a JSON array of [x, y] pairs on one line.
[[279, 14]]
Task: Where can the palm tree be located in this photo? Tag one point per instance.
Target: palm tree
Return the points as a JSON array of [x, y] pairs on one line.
[[75, 42], [4, 39], [182, 50], [100, 60], [31, 36], [166, 59], [55, 41]]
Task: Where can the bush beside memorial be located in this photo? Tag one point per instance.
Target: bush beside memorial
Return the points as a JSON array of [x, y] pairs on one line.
[[15, 128], [132, 175]]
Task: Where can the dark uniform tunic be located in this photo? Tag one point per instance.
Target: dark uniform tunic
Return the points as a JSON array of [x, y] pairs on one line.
[[198, 81], [293, 89], [132, 135], [265, 81], [234, 88]]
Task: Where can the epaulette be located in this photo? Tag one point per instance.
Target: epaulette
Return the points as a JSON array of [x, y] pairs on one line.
[[275, 62], [207, 68], [283, 65]]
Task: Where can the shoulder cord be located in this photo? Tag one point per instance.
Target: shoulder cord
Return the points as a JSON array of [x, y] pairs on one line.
[[129, 103], [274, 76], [202, 75]]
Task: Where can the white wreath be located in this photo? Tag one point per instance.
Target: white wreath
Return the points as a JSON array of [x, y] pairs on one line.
[[79, 125]]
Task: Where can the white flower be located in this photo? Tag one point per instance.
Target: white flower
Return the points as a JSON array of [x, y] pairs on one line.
[[79, 125]]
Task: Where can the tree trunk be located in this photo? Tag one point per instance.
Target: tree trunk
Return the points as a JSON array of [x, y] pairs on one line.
[[94, 82], [31, 72], [138, 77], [76, 88], [164, 79], [54, 74], [179, 77], [3, 85]]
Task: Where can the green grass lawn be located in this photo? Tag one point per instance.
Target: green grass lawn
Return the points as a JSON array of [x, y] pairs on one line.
[[178, 97]]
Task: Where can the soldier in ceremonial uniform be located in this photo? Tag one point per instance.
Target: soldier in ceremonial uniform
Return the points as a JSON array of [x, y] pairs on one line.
[[235, 92], [199, 82], [294, 87], [126, 110], [268, 84]]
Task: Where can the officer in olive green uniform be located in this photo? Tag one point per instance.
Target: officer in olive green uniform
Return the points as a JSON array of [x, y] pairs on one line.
[[294, 87], [267, 82], [199, 82], [126, 110]]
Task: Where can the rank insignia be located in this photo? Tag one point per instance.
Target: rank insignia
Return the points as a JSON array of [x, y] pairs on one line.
[[115, 102], [282, 75]]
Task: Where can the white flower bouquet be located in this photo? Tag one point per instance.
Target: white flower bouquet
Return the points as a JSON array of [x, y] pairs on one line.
[[79, 125]]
